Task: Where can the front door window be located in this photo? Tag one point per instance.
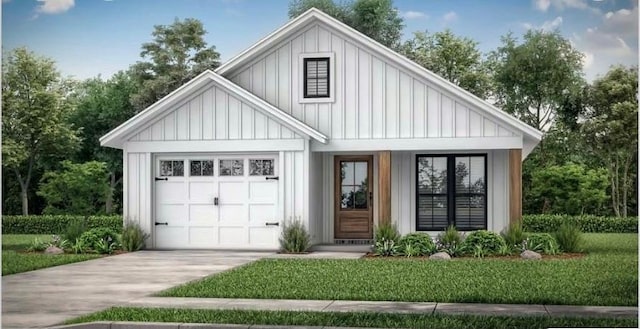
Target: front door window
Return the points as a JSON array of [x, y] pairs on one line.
[[354, 186]]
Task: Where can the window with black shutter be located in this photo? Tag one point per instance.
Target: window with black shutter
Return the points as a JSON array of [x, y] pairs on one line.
[[451, 190], [316, 77]]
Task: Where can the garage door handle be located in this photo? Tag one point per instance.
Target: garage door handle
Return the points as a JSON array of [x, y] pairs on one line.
[[274, 178], [161, 178], [272, 224], [165, 223]]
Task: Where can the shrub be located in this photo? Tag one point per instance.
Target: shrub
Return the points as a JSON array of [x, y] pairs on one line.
[[569, 237], [294, 237], [386, 248], [489, 242], [541, 242], [450, 241], [79, 247], [59, 242], [387, 232], [37, 245], [514, 235], [133, 237], [74, 230], [55, 224], [586, 223], [96, 238], [419, 243]]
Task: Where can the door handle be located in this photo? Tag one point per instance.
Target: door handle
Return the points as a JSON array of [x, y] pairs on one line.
[[165, 223], [215, 201], [272, 224]]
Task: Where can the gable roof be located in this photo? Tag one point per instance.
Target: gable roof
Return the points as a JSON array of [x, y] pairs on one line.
[[315, 15], [116, 137]]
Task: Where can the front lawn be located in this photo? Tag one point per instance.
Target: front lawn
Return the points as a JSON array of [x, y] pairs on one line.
[[608, 275], [16, 260], [380, 320]]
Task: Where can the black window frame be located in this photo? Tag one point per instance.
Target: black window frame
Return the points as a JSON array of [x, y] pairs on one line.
[[451, 191], [306, 80]]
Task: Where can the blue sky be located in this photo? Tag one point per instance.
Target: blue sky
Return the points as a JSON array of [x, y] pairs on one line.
[[100, 37]]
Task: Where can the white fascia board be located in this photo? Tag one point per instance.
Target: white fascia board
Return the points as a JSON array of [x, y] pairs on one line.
[[214, 146], [419, 144], [291, 27]]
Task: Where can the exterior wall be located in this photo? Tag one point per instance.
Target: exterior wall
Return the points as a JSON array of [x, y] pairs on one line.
[[317, 207], [373, 98], [403, 187], [137, 189], [213, 114]]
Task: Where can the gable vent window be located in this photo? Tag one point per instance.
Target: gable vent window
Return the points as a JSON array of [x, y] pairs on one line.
[[316, 77]]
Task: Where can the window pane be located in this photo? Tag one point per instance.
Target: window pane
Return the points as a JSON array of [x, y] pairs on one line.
[[196, 168], [347, 172], [476, 175], [347, 197], [178, 168], [231, 168], [361, 197], [470, 212], [207, 168], [261, 167], [432, 175], [165, 168], [361, 173], [432, 212], [462, 174]]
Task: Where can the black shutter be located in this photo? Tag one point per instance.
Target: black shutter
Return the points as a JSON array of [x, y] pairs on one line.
[[316, 77]]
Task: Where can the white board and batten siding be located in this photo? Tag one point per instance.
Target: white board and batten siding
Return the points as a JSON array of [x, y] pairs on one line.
[[212, 116], [374, 99]]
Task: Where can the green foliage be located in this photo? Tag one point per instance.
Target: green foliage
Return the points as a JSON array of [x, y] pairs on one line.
[[586, 223], [177, 54], [74, 229], [386, 232], [514, 235], [506, 250], [532, 79], [569, 237], [542, 242], [570, 189], [55, 224], [79, 247], [377, 19], [77, 188], [479, 251], [489, 242], [386, 248], [37, 245], [450, 241], [420, 244], [58, 241], [34, 113], [454, 58], [100, 239], [133, 237], [294, 238]]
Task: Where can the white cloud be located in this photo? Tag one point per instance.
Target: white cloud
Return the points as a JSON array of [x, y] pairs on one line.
[[413, 14], [552, 25], [54, 6], [450, 17], [587, 60], [623, 22], [544, 5], [594, 38]]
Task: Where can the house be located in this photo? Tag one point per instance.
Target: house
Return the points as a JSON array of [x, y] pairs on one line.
[[318, 123]]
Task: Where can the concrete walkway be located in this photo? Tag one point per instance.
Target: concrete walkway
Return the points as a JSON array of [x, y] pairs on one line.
[[385, 307], [49, 296]]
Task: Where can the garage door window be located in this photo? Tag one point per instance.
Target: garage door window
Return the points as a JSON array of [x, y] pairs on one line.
[[231, 168], [202, 168], [171, 168], [261, 167]]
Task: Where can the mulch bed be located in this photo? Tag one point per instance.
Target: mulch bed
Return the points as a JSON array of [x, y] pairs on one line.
[[511, 257]]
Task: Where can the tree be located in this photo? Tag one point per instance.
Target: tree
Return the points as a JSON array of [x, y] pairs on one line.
[[377, 19], [611, 131], [534, 79], [569, 189], [454, 58], [34, 110], [78, 189], [177, 54], [102, 106]]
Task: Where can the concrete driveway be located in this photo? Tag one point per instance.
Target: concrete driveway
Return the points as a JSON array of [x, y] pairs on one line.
[[50, 296]]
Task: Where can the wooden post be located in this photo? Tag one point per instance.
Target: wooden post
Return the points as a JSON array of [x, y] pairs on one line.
[[515, 185], [384, 187]]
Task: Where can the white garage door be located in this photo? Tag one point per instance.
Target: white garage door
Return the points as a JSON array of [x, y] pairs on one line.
[[216, 202]]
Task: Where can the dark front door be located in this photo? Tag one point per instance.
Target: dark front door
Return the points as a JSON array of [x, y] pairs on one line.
[[353, 197]]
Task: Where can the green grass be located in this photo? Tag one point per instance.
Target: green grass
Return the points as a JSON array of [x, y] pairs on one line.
[[15, 260], [381, 320], [608, 275]]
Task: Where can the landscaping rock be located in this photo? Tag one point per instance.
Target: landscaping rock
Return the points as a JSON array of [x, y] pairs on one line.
[[528, 254], [53, 250], [440, 256]]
